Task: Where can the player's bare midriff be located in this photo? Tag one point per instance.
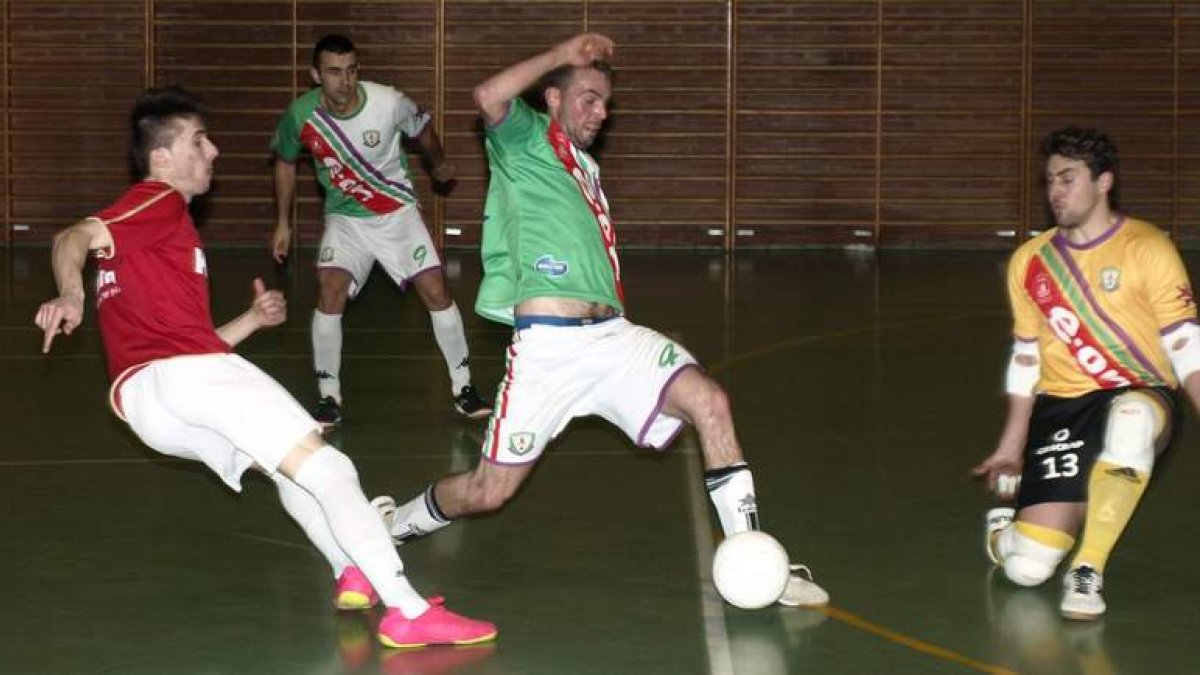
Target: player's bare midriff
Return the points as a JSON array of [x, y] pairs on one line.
[[565, 307]]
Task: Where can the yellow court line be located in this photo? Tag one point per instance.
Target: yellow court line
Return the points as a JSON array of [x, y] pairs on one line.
[[831, 611], [912, 643]]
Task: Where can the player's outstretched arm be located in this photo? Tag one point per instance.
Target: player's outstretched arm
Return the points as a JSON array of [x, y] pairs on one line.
[[68, 257], [493, 95], [1002, 468], [285, 195], [268, 308]]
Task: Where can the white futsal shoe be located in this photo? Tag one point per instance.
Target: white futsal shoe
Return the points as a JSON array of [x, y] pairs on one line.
[[1082, 600], [802, 591]]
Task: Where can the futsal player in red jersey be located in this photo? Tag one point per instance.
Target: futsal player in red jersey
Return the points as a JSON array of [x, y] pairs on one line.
[[180, 388]]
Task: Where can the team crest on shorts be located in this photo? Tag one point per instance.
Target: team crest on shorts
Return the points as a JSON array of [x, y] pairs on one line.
[[327, 254], [521, 442], [371, 138], [1110, 279]]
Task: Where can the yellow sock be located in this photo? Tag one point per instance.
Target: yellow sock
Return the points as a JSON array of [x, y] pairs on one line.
[[1113, 493], [1046, 536]]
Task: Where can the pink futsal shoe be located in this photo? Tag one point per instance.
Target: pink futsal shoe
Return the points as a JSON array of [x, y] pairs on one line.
[[354, 591], [437, 626]]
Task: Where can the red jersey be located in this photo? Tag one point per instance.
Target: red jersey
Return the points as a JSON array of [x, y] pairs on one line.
[[152, 285]]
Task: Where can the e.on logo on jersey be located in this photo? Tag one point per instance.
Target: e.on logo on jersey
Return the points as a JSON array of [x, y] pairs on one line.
[[1066, 326]]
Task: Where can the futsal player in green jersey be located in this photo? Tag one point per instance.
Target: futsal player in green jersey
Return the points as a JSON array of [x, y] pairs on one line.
[[551, 271], [353, 130]]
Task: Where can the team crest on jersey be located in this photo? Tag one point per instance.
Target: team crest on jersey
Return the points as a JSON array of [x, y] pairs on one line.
[[1041, 287], [327, 254], [371, 138], [1110, 279], [521, 442]]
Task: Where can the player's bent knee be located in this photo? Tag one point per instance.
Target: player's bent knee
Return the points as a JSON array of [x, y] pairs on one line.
[[325, 468], [1030, 562], [1133, 424], [1027, 571]]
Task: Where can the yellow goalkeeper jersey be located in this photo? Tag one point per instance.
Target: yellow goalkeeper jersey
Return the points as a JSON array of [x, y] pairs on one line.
[[1098, 311]]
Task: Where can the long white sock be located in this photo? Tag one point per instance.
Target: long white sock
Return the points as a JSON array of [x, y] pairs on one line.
[[307, 513], [731, 490], [452, 340], [330, 477], [327, 353], [418, 517]]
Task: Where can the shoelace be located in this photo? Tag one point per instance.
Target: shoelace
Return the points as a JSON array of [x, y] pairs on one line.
[[1086, 581]]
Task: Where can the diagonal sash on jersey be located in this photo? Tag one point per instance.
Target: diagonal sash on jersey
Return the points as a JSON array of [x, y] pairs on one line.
[[350, 172], [1101, 349], [592, 195]]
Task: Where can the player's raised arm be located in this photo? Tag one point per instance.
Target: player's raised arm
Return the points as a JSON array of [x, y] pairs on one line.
[[493, 95], [68, 257]]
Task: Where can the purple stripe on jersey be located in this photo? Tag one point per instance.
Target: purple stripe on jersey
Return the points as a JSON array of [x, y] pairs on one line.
[[1086, 289], [1098, 240], [658, 406], [337, 130], [1177, 324]]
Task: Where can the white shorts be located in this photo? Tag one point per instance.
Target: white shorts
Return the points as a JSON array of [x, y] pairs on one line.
[[398, 240], [214, 408], [614, 369]]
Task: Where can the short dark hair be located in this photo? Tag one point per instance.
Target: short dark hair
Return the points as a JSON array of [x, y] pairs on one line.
[[332, 43], [560, 78], [152, 122], [1093, 147]]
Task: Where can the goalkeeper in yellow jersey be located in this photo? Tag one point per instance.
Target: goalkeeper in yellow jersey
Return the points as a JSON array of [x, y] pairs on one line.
[[1104, 335]]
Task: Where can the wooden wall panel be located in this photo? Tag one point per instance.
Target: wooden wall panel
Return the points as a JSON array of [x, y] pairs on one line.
[[735, 123], [805, 122], [951, 78], [56, 121], [1186, 165], [1108, 64]]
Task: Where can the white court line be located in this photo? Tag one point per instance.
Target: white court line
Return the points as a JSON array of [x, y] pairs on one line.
[[716, 635]]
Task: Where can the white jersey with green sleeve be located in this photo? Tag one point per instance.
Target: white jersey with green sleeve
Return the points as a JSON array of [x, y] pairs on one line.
[[359, 159], [546, 228]]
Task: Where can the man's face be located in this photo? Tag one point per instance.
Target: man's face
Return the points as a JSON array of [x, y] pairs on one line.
[[1073, 193], [582, 107], [186, 164], [337, 75]]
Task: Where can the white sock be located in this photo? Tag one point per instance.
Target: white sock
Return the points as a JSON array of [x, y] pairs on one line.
[[452, 340], [731, 490], [327, 353], [330, 477], [418, 517], [307, 513]]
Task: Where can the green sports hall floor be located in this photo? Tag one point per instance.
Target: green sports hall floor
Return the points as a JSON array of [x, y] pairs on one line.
[[864, 389]]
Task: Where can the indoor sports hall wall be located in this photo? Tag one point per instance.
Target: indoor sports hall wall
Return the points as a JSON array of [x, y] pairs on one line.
[[736, 123]]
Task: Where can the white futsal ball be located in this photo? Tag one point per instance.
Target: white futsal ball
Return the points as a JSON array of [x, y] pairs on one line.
[[750, 570]]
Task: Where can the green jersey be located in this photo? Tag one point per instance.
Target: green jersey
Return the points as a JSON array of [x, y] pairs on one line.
[[358, 158], [546, 228]]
